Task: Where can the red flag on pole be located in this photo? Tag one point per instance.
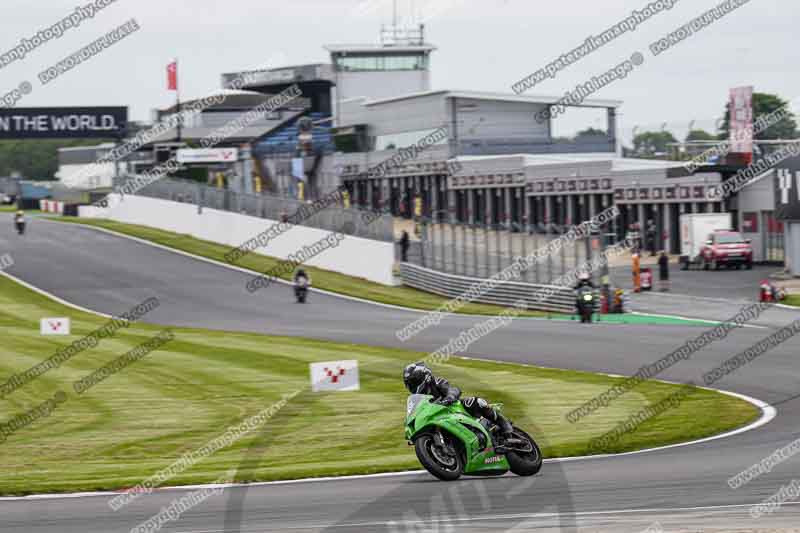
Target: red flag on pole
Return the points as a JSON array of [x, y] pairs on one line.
[[172, 76]]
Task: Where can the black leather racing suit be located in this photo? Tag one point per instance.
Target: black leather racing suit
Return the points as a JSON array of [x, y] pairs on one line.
[[440, 389]]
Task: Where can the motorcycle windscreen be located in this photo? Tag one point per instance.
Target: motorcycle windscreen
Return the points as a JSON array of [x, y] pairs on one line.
[[413, 402]]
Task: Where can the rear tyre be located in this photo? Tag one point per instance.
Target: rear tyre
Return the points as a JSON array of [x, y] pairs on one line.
[[749, 266], [436, 460], [705, 265], [525, 463]]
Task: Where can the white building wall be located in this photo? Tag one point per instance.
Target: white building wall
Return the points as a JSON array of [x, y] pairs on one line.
[[397, 116], [88, 176], [757, 197], [383, 84], [792, 239], [486, 120]]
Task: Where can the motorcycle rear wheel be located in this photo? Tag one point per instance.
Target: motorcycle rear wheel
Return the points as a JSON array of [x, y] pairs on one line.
[[444, 466], [525, 463]]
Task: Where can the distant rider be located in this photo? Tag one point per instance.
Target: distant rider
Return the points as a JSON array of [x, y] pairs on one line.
[[301, 274], [583, 281], [19, 222], [419, 379]]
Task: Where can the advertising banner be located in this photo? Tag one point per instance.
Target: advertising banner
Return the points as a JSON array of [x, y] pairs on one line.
[[741, 120], [62, 122], [787, 189], [208, 155]]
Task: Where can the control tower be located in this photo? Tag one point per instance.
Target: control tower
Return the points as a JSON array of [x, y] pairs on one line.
[[399, 65]]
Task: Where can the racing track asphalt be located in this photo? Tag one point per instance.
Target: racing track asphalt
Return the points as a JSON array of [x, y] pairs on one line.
[[678, 487]]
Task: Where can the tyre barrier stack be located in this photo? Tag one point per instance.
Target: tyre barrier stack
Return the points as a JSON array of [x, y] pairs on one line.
[[51, 206]]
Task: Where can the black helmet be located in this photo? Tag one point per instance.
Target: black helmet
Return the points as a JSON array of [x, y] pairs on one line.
[[415, 375]]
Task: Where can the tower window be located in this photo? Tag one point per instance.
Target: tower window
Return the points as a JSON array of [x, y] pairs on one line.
[[381, 62]]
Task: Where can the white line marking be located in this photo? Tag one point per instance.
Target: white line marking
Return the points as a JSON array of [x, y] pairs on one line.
[[705, 320], [53, 296], [520, 516], [698, 298], [495, 517]]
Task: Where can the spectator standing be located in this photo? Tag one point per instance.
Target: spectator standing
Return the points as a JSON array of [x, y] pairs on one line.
[[663, 271], [651, 237], [404, 243]]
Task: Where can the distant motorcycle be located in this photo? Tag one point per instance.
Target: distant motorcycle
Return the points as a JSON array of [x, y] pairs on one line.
[[585, 304], [770, 293], [301, 290], [19, 222]]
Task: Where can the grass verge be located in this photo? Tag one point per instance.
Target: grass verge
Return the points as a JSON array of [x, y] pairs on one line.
[[14, 209], [340, 283], [189, 391], [792, 299]]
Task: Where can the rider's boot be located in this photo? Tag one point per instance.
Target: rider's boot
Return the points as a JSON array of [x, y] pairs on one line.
[[506, 438]]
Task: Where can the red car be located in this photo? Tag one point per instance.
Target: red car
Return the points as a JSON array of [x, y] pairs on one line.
[[725, 247]]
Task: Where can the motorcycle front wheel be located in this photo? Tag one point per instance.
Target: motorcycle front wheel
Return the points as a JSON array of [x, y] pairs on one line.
[[526, 462], [437, 460]]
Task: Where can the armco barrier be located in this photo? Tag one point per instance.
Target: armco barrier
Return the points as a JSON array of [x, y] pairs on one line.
[[559, 299]]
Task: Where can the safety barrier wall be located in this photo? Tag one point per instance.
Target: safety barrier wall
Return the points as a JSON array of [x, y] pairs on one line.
[[353, 256], [558, 299]]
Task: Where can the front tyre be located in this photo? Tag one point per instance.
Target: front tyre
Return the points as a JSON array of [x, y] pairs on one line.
[[525, 463], [437, 460]]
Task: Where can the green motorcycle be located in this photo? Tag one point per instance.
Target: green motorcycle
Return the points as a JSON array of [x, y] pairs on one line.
[[450, 442]]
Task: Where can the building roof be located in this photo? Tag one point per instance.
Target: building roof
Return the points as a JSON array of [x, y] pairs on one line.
[[370, 48], [617, 163], [236, 100], [246, 134], [102, 146], [503, 97]]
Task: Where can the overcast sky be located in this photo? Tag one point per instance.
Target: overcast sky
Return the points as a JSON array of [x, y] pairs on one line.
[[483, 45]]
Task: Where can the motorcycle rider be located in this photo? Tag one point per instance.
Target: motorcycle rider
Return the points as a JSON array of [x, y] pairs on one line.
[[583, 281], [301, 284], [301, 274], [19, 222], [419, 379]]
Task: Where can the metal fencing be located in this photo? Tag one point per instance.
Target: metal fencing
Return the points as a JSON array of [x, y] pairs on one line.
[[536, 296], [333, 218], [480, 252]]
